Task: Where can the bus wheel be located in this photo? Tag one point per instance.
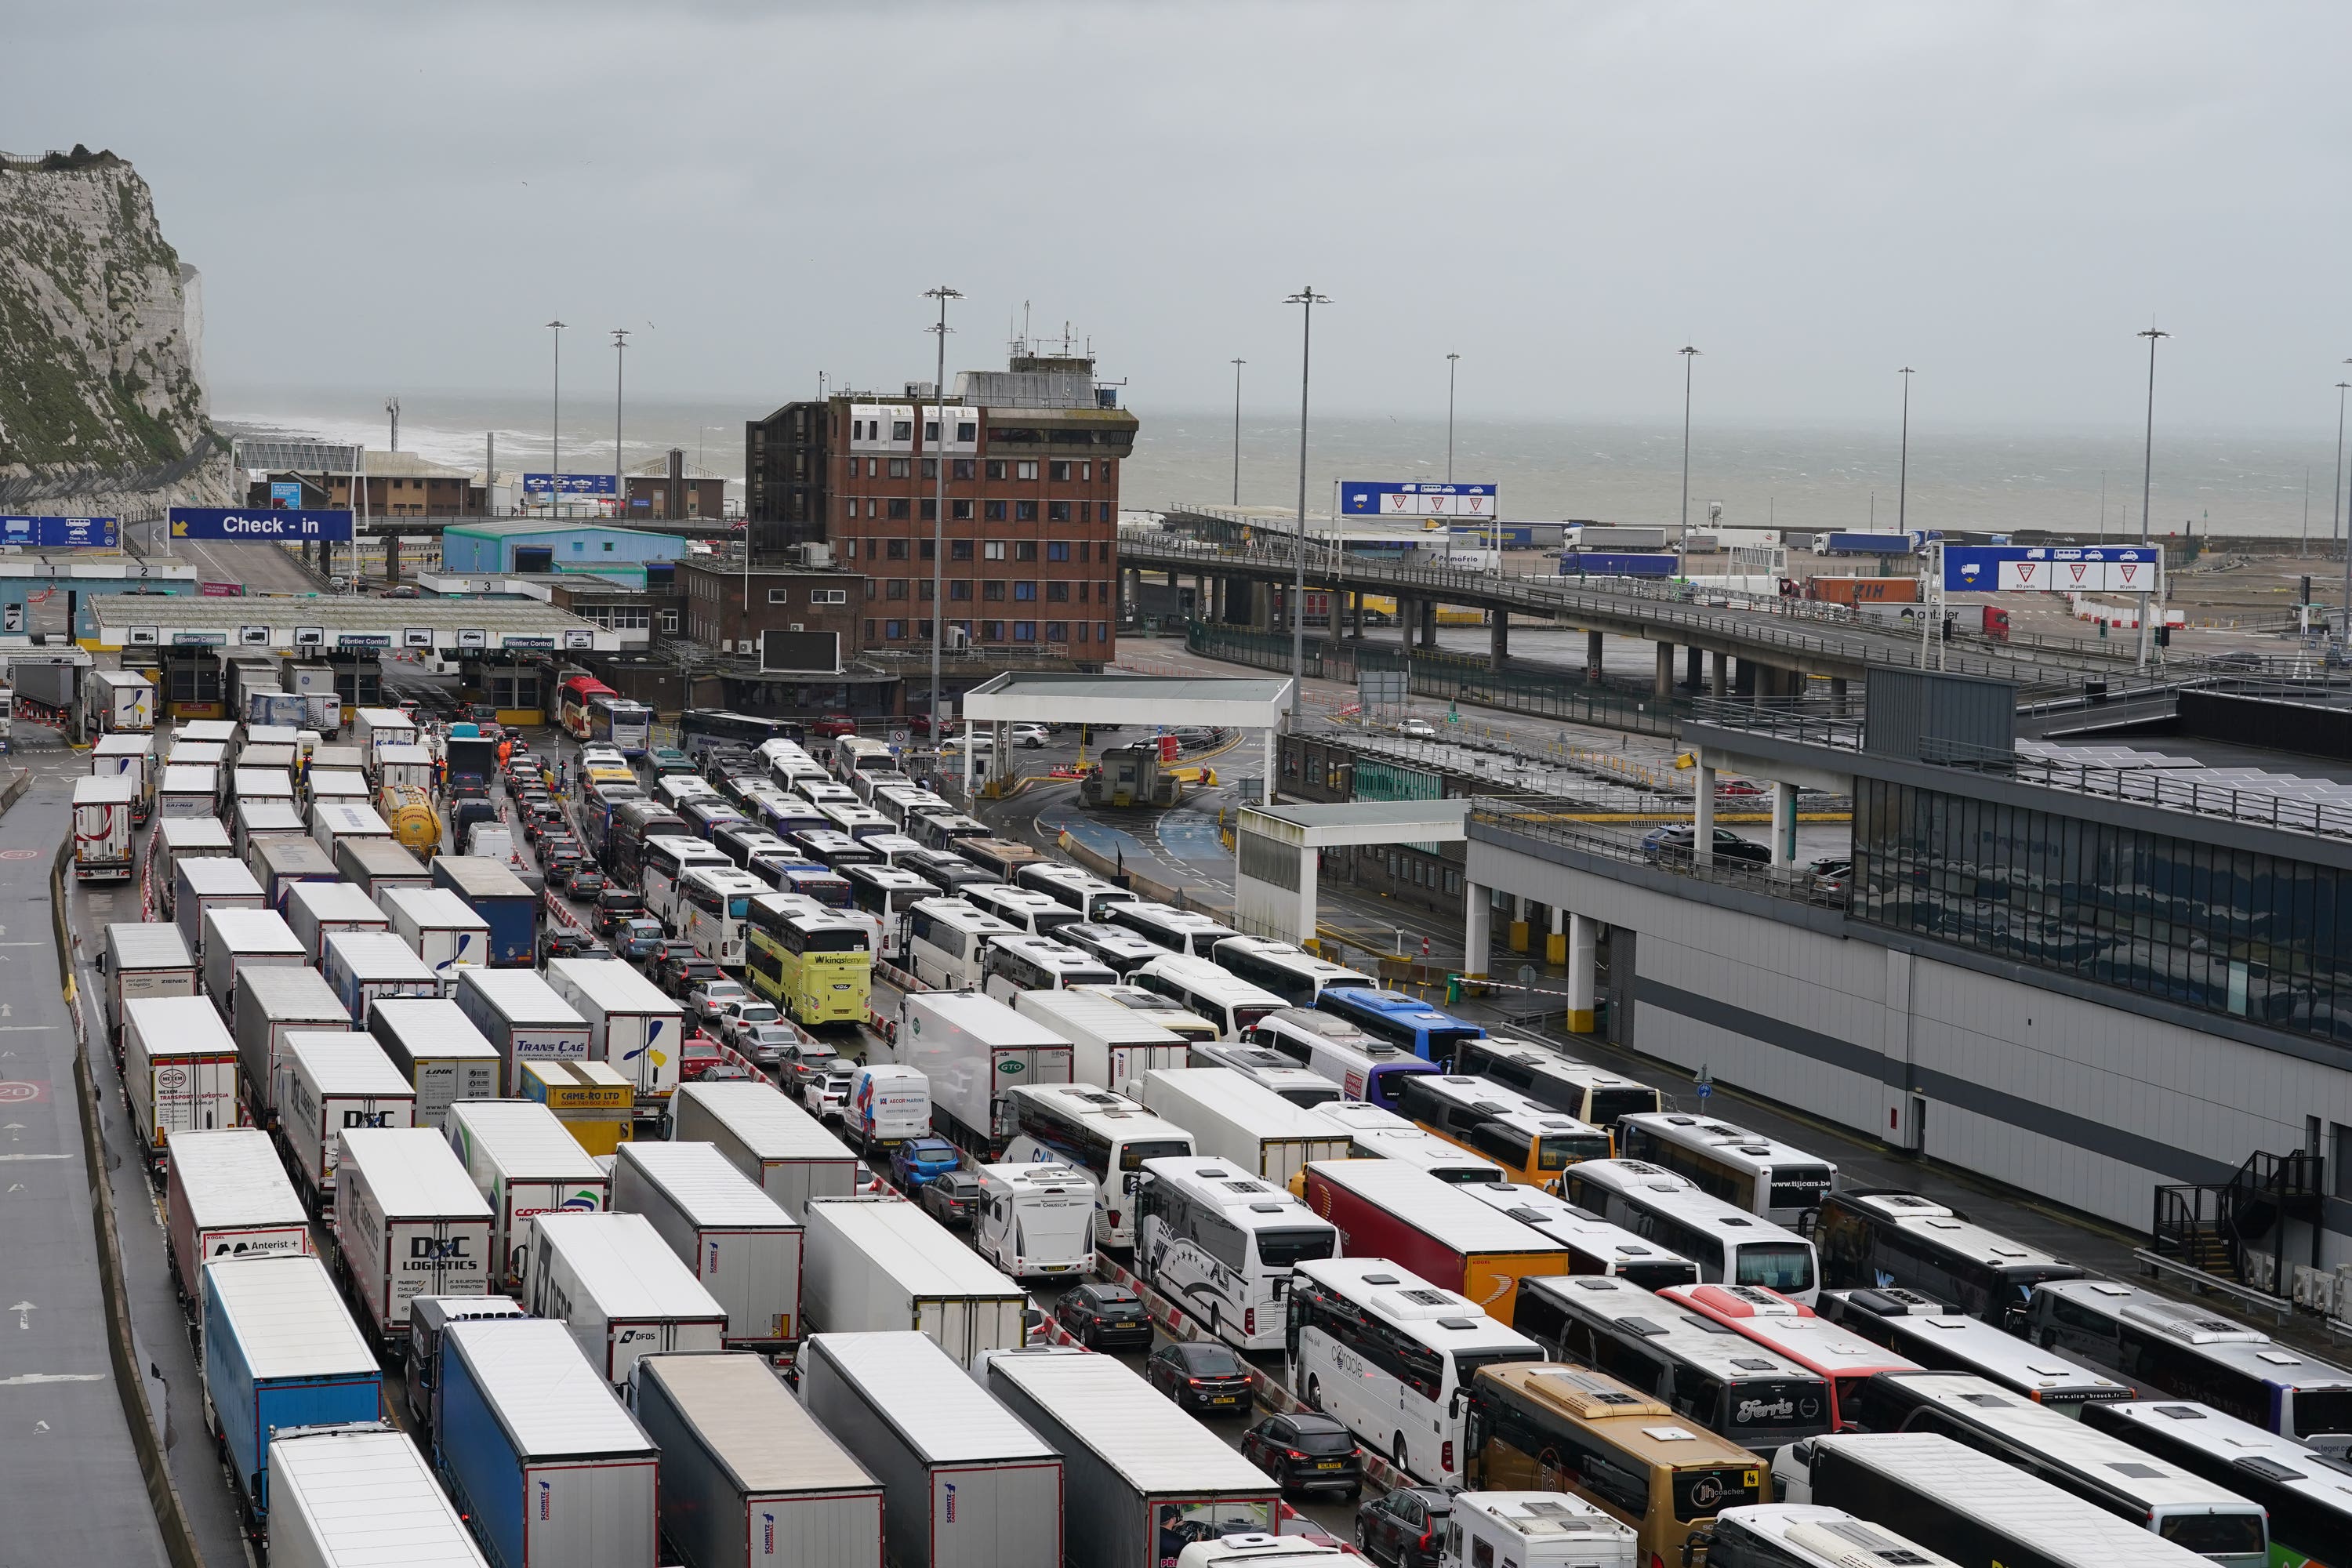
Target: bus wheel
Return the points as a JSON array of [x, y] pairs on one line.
[[1315, 1392]]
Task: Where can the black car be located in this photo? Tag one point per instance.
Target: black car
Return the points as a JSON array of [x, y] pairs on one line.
[[683, 970], [569, 941], [951, 1198], [586, 882], [1105, 1317], [614, 905], [1306, 1452], [1675, 844], [1406, 1527], [1206, 1378]]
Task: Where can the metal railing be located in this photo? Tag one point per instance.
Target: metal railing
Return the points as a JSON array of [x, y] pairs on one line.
[[1540, 818]]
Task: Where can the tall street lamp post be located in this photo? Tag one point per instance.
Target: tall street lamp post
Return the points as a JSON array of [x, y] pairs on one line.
[[1689, 355], [2149, 607], [555, 427], [1903, 482], [1237, 430], [939, 514], [620, 485], [1451, 360], [1308, 298]]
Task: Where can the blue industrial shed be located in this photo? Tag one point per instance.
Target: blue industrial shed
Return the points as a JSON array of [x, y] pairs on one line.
[[523, 546]]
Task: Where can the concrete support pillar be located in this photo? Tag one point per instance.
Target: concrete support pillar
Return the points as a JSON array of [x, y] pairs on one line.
[[1217, 589], [1743, 677], [1518, 923], [1703, 842], [1408, 621], [1664, 686], [1428, 637], [1261, 606], [1592, 657], [391, 558], [1718, 674], [1478, 927], [1784, 824], [1265, 787], [1555, 945], [1498, 639], [1583, 966], [1355, 614], [1837, 695], [1693, 662]]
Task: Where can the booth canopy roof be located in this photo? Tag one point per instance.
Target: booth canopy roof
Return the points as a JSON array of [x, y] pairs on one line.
[[1361, 822], [1236, 704]]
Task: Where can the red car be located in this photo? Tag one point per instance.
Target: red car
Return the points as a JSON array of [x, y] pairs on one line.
[[831, 725], [701, 1060]]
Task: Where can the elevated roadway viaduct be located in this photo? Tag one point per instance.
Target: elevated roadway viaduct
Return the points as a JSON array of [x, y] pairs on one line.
[[1785, 640]]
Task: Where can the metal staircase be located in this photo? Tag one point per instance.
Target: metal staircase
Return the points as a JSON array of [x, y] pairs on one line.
[[2210, 1227]]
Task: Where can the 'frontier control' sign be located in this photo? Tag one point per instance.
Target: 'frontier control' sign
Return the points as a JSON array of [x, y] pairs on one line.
[[241, 526]]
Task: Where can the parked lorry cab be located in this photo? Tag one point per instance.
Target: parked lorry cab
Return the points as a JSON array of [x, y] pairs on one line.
[[616, 1283], [523, 1016], [974, 1049], [428, 1316], [633, 1026], [441, 927], [409, 1222], [883, 1263], [537, 1452], [316, 910], [365, 967], [1037, 1221], [273, 1003], [329, 1081], [524, 1164], [887, 1104], [226, 1195], [748, 1476], [143, 959], [509, 907], [179, 1068], [343, 1490], [784, 1149], [740, 1243], [279, 1349], [205, 882], [101, 829], [444, 1058], [965, 1485], [1111, 1045]]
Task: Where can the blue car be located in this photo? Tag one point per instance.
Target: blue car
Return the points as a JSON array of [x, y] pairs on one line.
[[917, 1161], [637, 940]]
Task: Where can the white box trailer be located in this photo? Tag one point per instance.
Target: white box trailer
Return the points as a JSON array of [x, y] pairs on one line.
[[257, 820], [409, 1222], [226, 1196], [179, 1068], [114, 699], [142, 958], [376, 867], [613, 1280], [1132, 1463], [365, 965], [763, 1134], [525, 1162], [344, 786], [633, 1026], [1112, 1044], [738, 1241], [883, 1263], [376, 728], [521, 1015], [538, 1454], [748, 1476], [272, 1004], [442, 1056], [285, 864], [442, 927], [239, 940], [211, 882], [336, 822], [329, 1082], [178, 839], [974, 1049], [318, 909], [131, 756], [967, 1486], [1231, 1118], [343, 1496], [102, 813], [188, 790]]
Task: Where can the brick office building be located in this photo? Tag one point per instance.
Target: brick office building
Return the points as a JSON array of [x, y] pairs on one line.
[[1032, 457]]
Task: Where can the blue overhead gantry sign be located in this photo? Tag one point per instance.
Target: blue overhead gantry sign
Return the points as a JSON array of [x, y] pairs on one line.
[[1376, 497], [2054, 569], [59, 532], [242, 525]]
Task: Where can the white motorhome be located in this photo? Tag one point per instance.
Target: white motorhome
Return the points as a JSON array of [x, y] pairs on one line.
[[1037, 1221]]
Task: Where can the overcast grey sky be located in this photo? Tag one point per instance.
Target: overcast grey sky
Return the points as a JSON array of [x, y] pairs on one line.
[[2001, 194]]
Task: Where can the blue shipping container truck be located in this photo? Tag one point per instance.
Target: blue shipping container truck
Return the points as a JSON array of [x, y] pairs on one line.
[[501, 899], [280, 1351], [1615, 563]]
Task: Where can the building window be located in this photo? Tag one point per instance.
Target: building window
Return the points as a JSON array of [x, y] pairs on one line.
[[1082, 631], [1107, 470], [1057, 549], [1024, 550], [894, 550], [1060, 471], [1057, 512], [1025, 469], [923, 589], [873, 507], [996, 467], [960, 589], [960, 511], [1057, 631], [1058, 592], [959, 468], [929, 551], [966, 432], [1025, 511], [1102, 631], [1102, 512], [931, 508], [869, 631], [902, 429], [931, 469], [1087, 472], [1082, 593], [899, 509], [931, 431], [1025, 591], [996, 511], [849, 507], [873, 464], [992, 549], [1024, 631], [959, 548], [828, 595], [893, 630], [992, 631], [993, 588], [779, 595], [895, 588], [897, 467]]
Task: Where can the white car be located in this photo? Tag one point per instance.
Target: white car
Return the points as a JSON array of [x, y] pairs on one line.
[[710, 999], [827, 1098], [981, 745], [739, 1015], [1030, 736], [1417, 728]]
